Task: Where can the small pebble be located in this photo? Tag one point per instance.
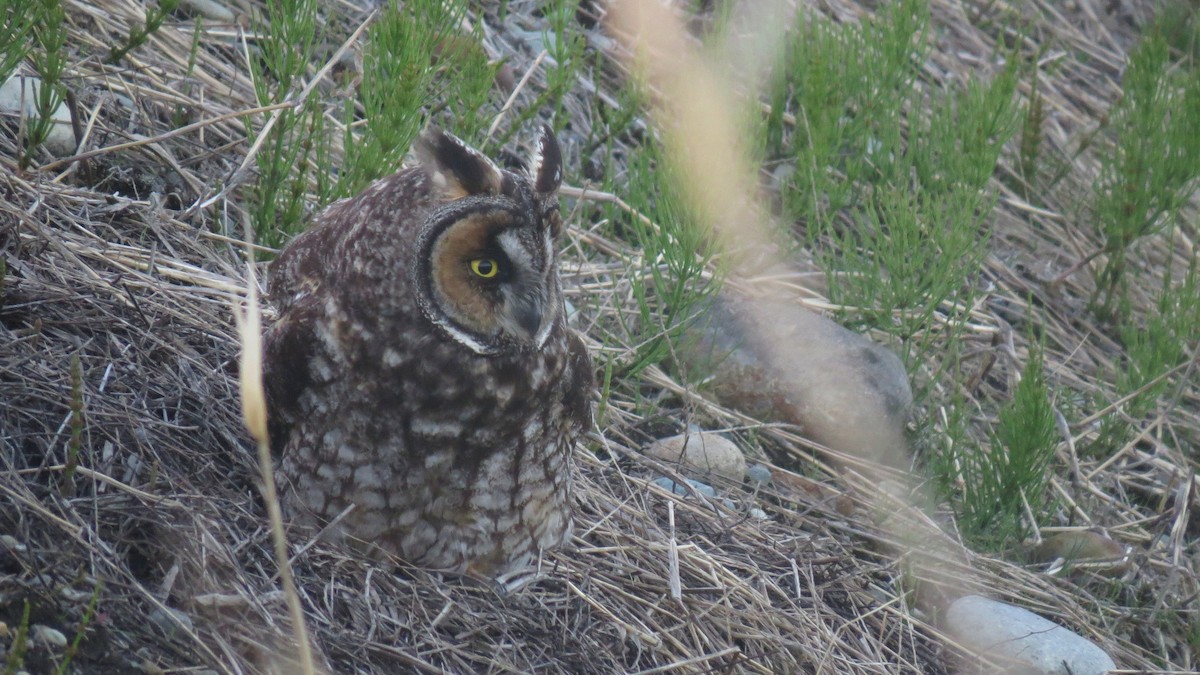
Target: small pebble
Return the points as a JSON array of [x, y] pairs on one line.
[[572, 314], [10, 542], [782, 176], [47, 636], [171, 622], [210, 10], [759, 473], [670, 485], [74, 595], [759, 514]]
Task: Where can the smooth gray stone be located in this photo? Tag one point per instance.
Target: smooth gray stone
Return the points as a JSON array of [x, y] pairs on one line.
[[759, 473], [1026, 643], [681, 490]]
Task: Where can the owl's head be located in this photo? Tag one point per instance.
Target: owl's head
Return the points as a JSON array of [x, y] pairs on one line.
[[486, 270]]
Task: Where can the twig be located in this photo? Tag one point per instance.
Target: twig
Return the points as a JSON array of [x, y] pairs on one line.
[[513, 96]]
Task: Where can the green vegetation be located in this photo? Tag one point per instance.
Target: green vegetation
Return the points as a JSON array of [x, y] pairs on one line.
[[15, 661], [15, 32], [1153, 168], [284, 162], [38, 33], [416, 64], [138, 36], [890, 185], [565, 45], [401, 81], [89, 615], [1002, 481], [1157, 348], [888, 177], [1148, 175], [669, 280], [891, 191], [888, 182]]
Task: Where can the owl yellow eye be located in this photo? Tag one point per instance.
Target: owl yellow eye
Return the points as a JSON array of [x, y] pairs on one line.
[[485, 267]]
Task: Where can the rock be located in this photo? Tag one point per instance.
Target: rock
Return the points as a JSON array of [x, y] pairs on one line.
[[18, 96], [1084, 546], [171, 622], [781, 177], [701, 454], [209, 10], [759, 473], [45, 635], [75, 595], [701, 488], [773, 359], [1025, 642], [681, 490], [10, 543]]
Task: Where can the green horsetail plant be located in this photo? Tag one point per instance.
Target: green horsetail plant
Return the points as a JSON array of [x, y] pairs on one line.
[[16, 30], [290, 35], [998, 483], [49, 60], [1153, 168], [414, 56], [140, 33]]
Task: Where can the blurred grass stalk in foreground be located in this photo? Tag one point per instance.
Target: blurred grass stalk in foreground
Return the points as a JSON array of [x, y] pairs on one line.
[[696, 109]]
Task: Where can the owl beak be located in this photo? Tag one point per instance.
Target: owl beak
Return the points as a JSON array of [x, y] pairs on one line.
[[529, 318], [527, 314]]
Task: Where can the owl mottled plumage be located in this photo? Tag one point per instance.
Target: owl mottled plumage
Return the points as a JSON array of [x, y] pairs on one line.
[[421, 368]]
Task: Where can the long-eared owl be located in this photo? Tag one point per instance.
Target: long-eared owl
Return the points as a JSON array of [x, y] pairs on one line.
[[421, 377]]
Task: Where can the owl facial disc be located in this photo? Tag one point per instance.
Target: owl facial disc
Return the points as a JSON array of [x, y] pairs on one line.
[[486, 269], [490, 284]]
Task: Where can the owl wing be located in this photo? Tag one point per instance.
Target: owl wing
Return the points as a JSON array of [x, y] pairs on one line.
[[288, 349], [580, 383]]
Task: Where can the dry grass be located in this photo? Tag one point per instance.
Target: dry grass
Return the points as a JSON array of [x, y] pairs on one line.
[[130, 259]]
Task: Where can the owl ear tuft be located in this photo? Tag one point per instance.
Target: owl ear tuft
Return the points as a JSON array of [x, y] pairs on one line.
[[545, 167], [456, 168]]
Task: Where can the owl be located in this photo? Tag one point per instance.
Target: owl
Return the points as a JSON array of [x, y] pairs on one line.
[[424, 390]]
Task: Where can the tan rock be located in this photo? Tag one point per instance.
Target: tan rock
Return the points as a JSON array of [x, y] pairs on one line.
[[701, 454], [1108, 557]]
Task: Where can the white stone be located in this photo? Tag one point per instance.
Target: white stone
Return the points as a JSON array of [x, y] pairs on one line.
[[18, 96], [1025, 642], [47, 636], [701, 454], [10, 542], [210, 10], [170, 621]]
